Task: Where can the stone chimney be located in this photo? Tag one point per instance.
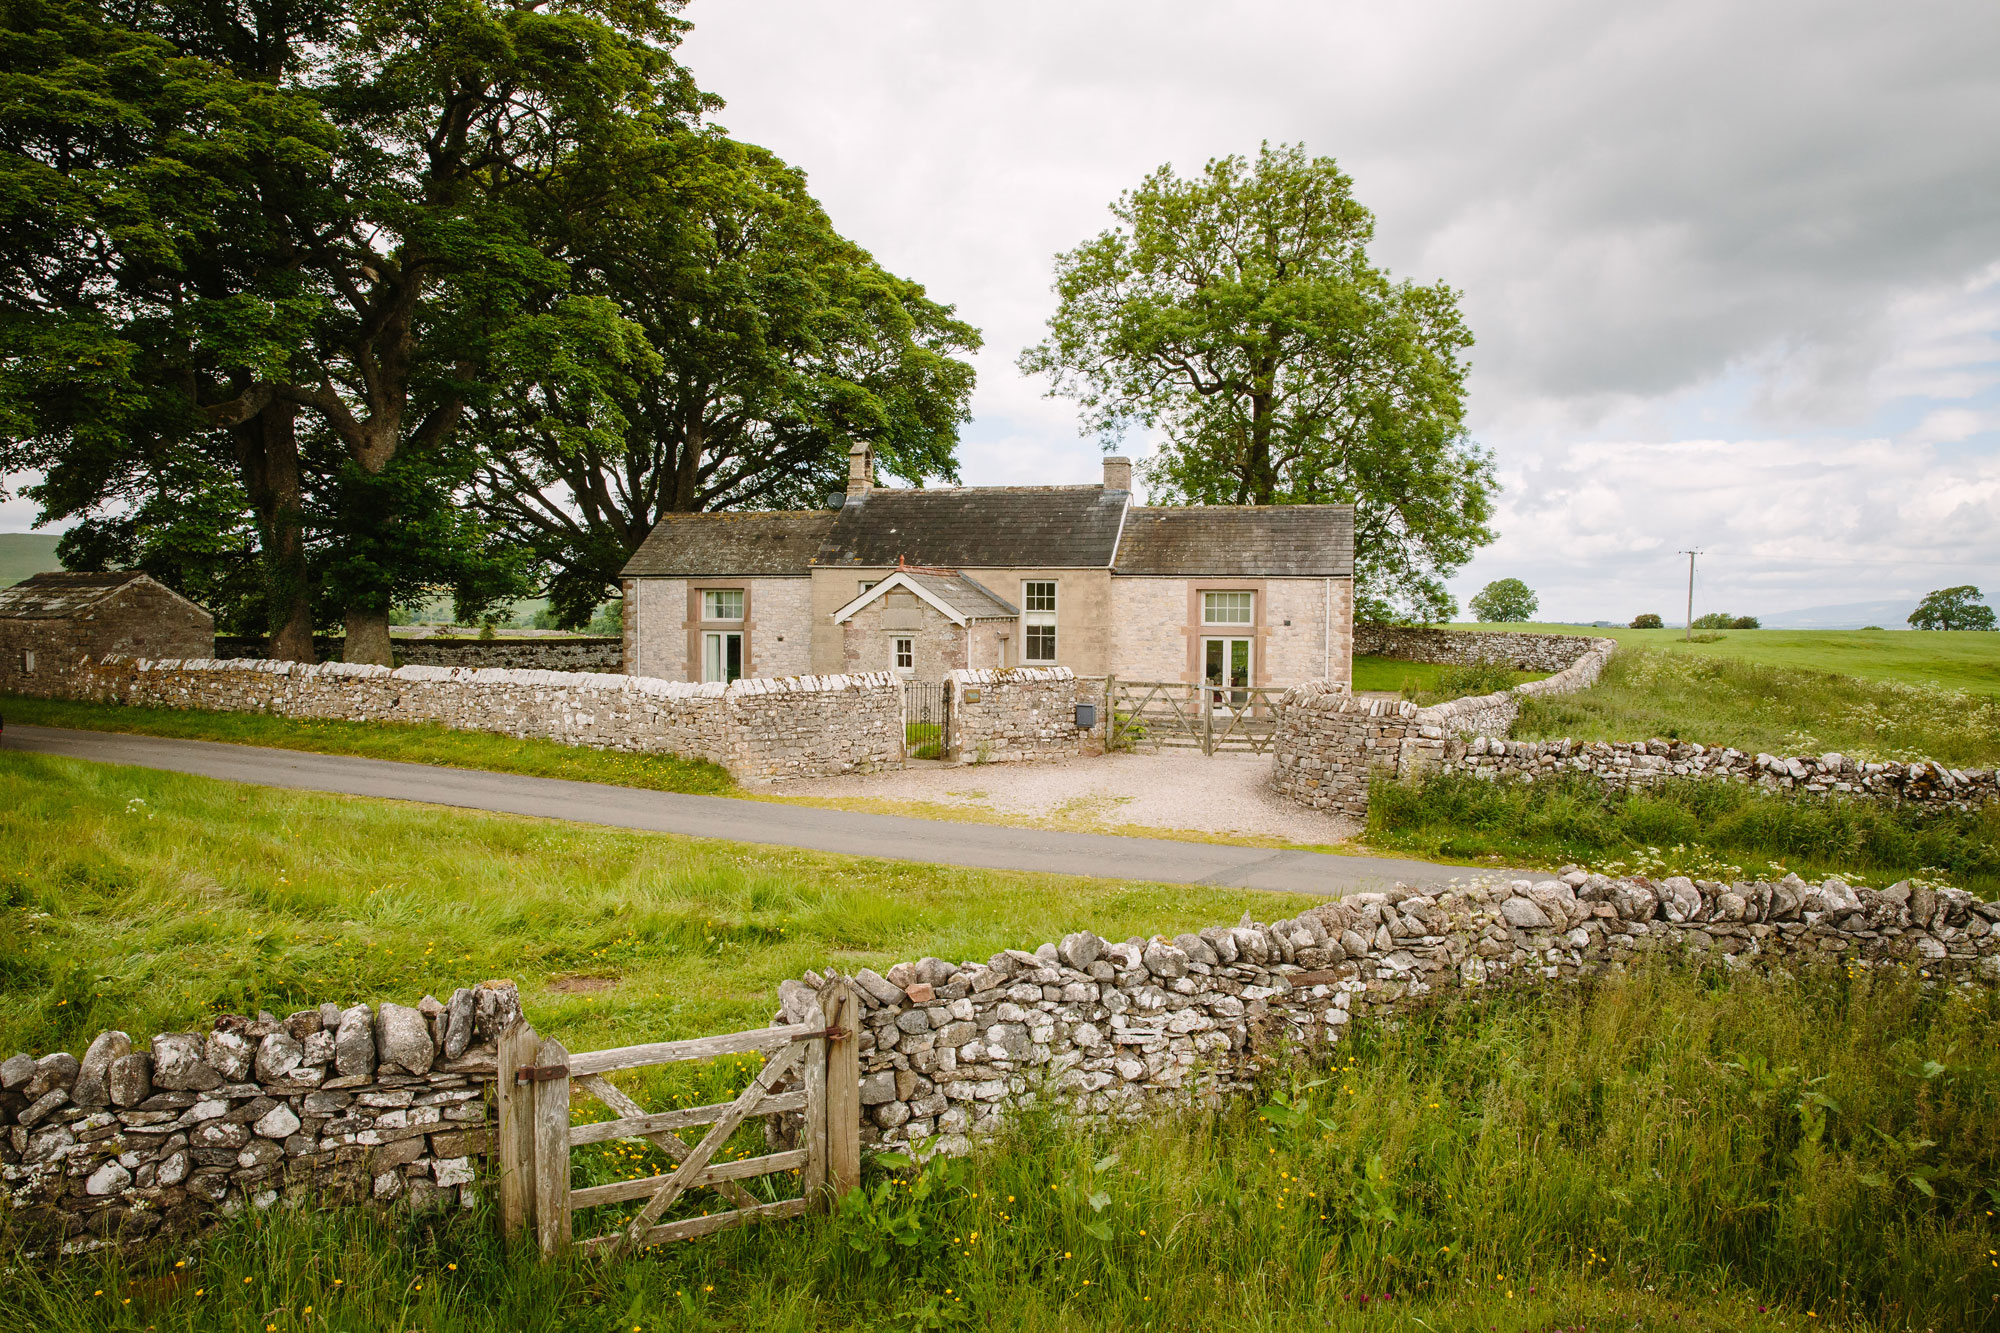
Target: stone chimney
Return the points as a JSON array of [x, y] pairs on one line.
[[1118, 474], [860, 471]]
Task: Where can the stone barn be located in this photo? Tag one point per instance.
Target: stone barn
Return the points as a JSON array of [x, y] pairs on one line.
[[50, 621]]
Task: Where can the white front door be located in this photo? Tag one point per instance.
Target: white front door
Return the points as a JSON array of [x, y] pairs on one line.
[[722, 656]]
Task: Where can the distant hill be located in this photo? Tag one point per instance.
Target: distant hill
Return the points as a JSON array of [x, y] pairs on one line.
[[23, 554], [1847, 615]]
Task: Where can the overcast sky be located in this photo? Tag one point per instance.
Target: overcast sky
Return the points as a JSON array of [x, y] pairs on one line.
[[1734, 270]]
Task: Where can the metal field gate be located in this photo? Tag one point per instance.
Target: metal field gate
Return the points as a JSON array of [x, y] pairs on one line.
[[1178, 714], [926, 719], [537, 1079]]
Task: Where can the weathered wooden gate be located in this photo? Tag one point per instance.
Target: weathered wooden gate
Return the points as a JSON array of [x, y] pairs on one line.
[[537, 1077], [1181, 714]]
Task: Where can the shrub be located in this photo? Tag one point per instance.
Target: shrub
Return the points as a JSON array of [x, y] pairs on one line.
[[1715, 620], [1646, 620], [1745, 622]]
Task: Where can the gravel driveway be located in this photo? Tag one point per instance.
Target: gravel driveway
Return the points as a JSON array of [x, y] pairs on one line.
[[1227, 794]]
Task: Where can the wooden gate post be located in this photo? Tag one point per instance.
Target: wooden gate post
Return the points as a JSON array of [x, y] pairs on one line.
[[843, 1088], [812, 1126], [551, 1148], [515, 1103]]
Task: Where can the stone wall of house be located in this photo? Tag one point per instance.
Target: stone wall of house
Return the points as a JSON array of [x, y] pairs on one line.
[[1113, 1028], [389, 1105], [1018, 713], [1461, 647], [938, 644], [538, 654], [757, 728]]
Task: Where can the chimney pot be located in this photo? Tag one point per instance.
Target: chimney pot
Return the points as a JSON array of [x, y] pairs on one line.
[[1118, 474]]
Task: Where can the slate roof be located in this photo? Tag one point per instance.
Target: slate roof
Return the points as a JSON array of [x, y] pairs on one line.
[[718, 545], [973, 599], [1239, 541], [1063, 527], [58, 596]]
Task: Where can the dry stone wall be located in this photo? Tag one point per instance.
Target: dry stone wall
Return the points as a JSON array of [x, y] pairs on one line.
[[1645, 763], [1112, 1028], [538, 654], [759, 729], [1016, 713], [390, 1105], [1465, 647]]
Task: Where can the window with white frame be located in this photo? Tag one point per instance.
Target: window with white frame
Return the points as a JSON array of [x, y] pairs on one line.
[[1226, 608], [1038, 620], [906, 654], [722, 603]]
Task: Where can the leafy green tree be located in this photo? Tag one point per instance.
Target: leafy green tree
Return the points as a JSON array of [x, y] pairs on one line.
[[1962, 607], [1646, 620], [323, 231], [770, 345], [1236, 314], [1504, 600]]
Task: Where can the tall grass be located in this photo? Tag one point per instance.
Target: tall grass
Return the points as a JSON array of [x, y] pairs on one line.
[[1724, 829], [1662, 1151], [1775, 709]]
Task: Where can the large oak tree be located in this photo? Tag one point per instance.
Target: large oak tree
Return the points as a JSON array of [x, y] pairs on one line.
[[312, 232], [771, 344], [1236, 314]]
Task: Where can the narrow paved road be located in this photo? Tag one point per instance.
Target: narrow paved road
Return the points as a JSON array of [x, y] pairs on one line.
[[987, 846]]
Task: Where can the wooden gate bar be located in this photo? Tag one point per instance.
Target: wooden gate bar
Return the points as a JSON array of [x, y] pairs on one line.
[[703, 1226], [697, 1160], [619, 1191], [699, 1048], [639, 1125], [602, 1088]]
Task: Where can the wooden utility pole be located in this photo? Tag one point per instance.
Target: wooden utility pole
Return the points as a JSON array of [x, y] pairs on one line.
[[1690, 616]]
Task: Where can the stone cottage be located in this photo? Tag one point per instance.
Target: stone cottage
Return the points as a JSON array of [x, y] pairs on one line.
[[923, 581], [49, 621]]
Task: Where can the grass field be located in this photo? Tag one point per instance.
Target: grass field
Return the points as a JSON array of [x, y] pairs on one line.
[[24, 554], [1757, 707], [1961, 660], [419, 744], [148, 901], [1661, 1152]]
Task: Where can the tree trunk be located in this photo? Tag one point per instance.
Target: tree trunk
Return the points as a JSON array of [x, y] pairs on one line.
[[267, 450], [368, 638]]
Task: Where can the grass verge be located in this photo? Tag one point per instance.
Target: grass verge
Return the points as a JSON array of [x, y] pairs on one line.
[[147, 901], [411, 743], [1776, 709], [1660, 1151], [1718, 829]]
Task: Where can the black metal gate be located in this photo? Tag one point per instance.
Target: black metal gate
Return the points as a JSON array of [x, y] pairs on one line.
[[926, 720]]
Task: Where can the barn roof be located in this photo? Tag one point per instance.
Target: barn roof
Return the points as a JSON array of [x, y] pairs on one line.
[[60, 595]]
